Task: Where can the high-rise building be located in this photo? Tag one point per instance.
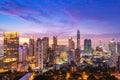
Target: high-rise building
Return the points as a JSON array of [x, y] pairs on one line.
[[50, 55], [1, 61], [1, 57], [77, 50], [45, 42], [118, 64], [71, 56], [39, 53], [87, 46], [78, 39], [31, 47], [54, 45], [22, 53], [55, 40], [118, 48], [118, 52], [11, 50], [77, 55], [25, 45], [112, 46], [71, 44]]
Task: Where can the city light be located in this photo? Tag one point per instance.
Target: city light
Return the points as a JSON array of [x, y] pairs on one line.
[[59, 40]]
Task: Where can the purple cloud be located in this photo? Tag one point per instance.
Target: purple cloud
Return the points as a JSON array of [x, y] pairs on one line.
[[25, 11]]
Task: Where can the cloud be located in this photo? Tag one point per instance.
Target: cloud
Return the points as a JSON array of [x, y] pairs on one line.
[[27, 11], [57, 14], [2, 30]]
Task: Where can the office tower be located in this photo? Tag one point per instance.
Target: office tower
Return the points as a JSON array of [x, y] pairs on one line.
[[113, 59], [77, 55], [78, 39], [118, 52], [45, 42], [11, 50], [55, 40], [39, 53], [71, 56], [50, 55], [1, 61], [87, 46], [22, 53], [25, 45], [71, 44], [118, 64], [118, 48], [54, 45], [31, 47], [1, 50], [1, 57], [112, 46]]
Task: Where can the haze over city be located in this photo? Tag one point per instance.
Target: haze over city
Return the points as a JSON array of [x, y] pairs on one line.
[[96, 19]]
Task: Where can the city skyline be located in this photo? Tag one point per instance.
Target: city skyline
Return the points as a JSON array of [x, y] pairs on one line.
[[59, 40], [96, 20]]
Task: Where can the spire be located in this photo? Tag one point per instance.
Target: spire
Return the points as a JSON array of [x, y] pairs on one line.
[[78, 32], [78, 39]]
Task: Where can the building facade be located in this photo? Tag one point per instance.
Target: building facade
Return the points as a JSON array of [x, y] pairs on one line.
[[1, 57], [118, 48], [22, 53], [39, 53], [11, 50], [45, 43], [78, 39], [112, 46], [54, 45], [71, 44], [31, 46], [87, 46]]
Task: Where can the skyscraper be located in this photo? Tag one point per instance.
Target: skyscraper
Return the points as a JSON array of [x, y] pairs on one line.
[[39, 53], [118, 48], [118, 52], [31, 47], [114, 55], [11, 50], [77, 56], [1, 57], [77, 50], [118, 67], [112, 46], [54, 45], [87, 46], [45, 42], [50, 55], [22, 53], [25, 45], [55, 40], [78, 39], [71, 44]]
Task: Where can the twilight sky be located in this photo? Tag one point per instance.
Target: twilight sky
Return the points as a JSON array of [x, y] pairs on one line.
[[96, 19]]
